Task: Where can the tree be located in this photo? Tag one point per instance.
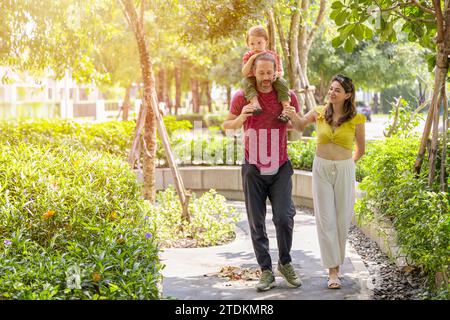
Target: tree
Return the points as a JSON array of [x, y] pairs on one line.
[[150, 116], [305, 19], [26, 44], [424, 22]]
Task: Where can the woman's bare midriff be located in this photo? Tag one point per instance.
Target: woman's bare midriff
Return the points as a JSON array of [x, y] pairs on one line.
[[331, 151]]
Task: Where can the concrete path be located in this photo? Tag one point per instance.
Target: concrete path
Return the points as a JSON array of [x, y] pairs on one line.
[[191, 273]]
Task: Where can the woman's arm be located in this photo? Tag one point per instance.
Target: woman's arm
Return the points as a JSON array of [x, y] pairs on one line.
[[360, 142], [300, 122]]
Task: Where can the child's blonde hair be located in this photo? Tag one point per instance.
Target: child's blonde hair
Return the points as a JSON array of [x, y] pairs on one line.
[[257, 31]]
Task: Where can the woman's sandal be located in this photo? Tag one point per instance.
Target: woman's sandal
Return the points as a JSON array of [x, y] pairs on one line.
[[334, 283]]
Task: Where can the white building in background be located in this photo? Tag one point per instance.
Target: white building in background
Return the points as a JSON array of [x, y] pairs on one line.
[[364, 96], [24, 96]]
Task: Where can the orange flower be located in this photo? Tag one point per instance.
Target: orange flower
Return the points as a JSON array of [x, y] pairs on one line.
[[96, 277], [112, 216], [48, 214]]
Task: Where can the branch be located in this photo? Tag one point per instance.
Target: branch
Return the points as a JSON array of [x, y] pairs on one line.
[[424, 8], [317, 23], [141, 18], [125, 13], [401, 15], [439, 21]]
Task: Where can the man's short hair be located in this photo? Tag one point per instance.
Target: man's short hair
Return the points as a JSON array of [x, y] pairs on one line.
[[265, 57]]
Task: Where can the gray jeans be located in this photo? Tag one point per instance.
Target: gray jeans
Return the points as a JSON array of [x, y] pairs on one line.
[[278, 188]]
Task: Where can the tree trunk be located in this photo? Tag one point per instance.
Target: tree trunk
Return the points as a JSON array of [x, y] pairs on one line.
[[375, 102], [284, 46], [161, 79], [195, 96], [152, 116], [440, 76], [177, 89], [228, 97], [169, 103], [207, 90], [443, 174], [126, 103], [271, 30]]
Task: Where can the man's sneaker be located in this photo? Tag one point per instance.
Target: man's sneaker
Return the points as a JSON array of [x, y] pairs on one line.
[[266, 282], [288, 273]]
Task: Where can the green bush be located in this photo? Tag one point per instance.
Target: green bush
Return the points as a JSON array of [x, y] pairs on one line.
[[419, 213], [113, 137], [212, 221], [72, 226], [192, 117], [214, 119], [302, 154]]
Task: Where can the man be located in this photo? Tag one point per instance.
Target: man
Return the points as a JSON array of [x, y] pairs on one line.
[[266, 172]]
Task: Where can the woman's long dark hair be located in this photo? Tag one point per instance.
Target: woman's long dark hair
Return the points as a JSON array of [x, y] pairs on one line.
[[349, 104]]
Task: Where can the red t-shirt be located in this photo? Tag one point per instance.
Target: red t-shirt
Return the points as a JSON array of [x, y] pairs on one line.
[[259, 130], [248, 54]]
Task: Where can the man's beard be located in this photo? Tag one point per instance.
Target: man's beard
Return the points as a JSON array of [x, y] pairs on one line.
[[264, 83]]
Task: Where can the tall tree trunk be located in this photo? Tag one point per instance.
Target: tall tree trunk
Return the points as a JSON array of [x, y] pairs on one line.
[[152, 116], [284, 45], [168, 86], [375, 102], [443, 174], [161, 77], [440, 77], [177, 89], [195, 95], [228, 97], [271, 30], [296, 49], [165, 90], [126, 103], [207, 92]]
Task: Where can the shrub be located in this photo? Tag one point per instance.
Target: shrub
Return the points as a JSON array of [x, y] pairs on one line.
[[113, 137], [212, 221], [72, 227], [419, 213], [302, 154]]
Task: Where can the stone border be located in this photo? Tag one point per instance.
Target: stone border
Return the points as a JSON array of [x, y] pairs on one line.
[[227, 181]]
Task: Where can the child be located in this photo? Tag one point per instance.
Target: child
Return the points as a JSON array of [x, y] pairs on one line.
[[257, 39]]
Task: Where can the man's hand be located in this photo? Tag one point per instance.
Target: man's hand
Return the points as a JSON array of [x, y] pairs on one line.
[[289, 111], [247, 111]]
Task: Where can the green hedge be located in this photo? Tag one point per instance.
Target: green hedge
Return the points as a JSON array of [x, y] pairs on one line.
[[420, 213], [72, 226]]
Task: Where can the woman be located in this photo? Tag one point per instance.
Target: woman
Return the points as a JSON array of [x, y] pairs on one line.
[[338, 126]]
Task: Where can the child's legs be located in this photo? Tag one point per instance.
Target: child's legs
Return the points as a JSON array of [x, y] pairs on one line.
[[249, 87], [281, 87]]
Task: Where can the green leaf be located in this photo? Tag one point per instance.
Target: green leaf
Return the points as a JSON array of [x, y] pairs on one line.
[[359, 32], [334, 14], [349, 44], [337, 5], [341, 17], [368, 33], [336, 42]]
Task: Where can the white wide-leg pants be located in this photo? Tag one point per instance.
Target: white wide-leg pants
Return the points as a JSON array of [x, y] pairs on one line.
[[333, 183]]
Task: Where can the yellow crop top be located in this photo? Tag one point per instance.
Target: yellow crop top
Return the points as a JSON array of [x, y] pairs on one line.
[[343, 135]]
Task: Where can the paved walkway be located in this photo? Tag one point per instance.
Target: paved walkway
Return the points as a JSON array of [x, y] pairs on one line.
[[191, 273]]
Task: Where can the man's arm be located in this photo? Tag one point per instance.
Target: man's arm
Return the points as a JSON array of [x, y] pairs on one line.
[[233, 121]]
